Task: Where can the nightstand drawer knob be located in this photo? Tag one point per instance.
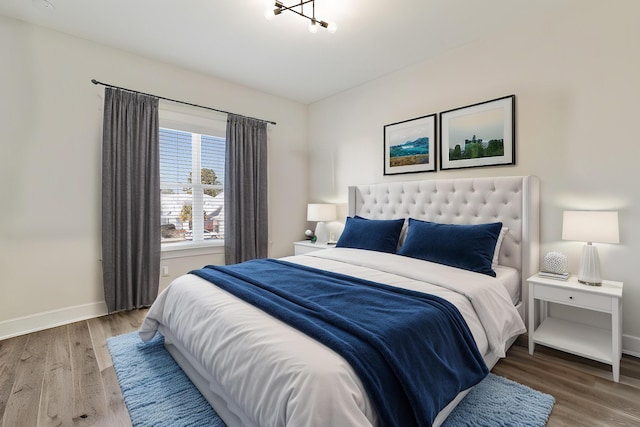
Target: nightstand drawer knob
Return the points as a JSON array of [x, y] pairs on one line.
[[570, 297]]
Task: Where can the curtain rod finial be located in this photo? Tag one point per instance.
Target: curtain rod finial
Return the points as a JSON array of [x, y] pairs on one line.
[[94, 81]]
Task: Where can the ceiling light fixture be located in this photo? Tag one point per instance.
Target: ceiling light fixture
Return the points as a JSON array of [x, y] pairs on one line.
[[314, 23]]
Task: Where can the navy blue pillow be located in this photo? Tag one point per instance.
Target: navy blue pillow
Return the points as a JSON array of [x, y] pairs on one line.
[[469, 247], [380, 235]]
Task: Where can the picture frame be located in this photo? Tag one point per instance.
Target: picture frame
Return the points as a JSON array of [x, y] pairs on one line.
[[410, 146], [479, 135]]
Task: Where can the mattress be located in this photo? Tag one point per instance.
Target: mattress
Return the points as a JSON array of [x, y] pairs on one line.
[[509, 278], [267, 373]]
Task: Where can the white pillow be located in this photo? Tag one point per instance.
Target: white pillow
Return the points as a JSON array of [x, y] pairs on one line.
[[496, 251], [403, 233]]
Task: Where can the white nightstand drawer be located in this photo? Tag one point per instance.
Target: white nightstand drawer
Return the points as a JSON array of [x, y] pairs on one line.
[[306, 246], [300, 250], [573, 297]]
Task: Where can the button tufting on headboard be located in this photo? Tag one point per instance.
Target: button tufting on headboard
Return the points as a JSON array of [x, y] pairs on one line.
[[461, 201]]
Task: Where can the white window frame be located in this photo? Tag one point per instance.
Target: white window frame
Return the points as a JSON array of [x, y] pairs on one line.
[[196, 121]]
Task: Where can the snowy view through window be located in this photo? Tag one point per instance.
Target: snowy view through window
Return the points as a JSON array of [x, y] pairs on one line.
[[191, 181]]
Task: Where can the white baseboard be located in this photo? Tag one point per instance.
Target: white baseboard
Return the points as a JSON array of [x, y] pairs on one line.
[[631, 345], [50, 319]]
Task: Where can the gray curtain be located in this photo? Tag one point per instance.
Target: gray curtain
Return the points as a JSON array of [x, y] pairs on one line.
[[130, 200], [245, 190]]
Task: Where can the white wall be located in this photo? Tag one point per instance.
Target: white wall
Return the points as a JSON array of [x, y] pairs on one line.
[[50, 140], [577, 86]]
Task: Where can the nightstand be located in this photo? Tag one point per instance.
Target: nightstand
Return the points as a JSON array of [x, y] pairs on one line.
[[306, 246], [603, 345]]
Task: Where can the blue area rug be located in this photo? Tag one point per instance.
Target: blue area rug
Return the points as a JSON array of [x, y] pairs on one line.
[[156, 390], [157, 393], [499, 402]]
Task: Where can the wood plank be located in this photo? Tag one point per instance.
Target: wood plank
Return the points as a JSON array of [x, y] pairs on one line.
[[10, 351], [90, 404], [22, 406], [56, 401], [123, 322], [118, 415], [100, 331]]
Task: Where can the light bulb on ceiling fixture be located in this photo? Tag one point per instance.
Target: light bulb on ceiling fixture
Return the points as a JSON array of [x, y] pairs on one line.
[[332, 27], [272, 9], [313, 27], [271, 13]]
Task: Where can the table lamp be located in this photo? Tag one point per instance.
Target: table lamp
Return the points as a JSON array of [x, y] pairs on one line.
[[590, 227], [321, 212]]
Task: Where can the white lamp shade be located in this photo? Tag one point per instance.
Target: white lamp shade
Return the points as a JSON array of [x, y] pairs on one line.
[[591, 226], [321, 212]]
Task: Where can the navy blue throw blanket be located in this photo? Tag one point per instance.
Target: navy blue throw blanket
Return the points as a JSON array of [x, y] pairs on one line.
[[412, 351]]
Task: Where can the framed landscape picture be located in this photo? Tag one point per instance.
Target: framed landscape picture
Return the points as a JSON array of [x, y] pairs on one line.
[[410, 146], [482, 134]]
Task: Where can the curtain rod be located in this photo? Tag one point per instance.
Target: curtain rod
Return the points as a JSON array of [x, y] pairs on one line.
[[95, 82]]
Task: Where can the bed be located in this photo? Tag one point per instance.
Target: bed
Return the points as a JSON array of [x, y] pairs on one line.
[[256, 370]]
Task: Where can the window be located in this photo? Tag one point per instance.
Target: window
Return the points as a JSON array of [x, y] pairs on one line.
[[191, 181]]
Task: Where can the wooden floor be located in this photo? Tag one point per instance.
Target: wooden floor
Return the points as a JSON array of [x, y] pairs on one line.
[[64, 377]]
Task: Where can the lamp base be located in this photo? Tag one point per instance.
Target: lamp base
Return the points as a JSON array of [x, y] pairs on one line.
[[322, 235], [589, 272]]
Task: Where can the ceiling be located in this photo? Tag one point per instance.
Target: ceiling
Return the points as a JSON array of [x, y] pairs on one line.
[[232, 39]]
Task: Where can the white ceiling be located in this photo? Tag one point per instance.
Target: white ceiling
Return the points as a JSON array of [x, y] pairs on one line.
[[232, 40]]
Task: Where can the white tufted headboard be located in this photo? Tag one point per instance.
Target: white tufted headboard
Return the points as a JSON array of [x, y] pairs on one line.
[[513, 200]]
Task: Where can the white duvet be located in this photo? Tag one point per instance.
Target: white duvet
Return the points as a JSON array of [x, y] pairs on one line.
[[272, 375]]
